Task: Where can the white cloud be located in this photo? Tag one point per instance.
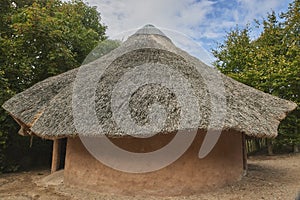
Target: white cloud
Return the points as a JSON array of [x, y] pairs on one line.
[[258, 8], [172, 14], [203, 20]]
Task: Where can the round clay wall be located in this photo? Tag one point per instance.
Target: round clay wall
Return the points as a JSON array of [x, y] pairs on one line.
[[187, 175]]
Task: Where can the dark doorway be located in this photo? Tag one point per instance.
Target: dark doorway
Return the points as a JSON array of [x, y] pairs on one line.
[[63, 148], [58, 154]]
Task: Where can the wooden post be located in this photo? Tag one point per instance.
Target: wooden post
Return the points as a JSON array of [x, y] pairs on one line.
[[270, 147], [244, 154], [56, 155]]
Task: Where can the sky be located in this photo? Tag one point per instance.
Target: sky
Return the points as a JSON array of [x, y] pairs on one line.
[[189, 23]]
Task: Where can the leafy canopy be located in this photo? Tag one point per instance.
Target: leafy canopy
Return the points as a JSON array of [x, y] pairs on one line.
[[38, 39], [270, 63]]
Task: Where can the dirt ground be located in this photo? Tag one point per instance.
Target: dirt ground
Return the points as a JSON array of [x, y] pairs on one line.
[[275, 177]]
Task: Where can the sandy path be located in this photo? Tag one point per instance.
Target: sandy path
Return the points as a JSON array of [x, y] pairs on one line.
[[276, 177]]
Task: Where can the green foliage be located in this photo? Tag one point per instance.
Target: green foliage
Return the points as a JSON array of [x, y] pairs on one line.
[[51, 38], [269, 63], [234, 56], [38, 39], [288, 129]]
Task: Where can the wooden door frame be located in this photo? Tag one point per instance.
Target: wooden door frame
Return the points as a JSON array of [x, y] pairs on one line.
[[56, 153], [244, 147]]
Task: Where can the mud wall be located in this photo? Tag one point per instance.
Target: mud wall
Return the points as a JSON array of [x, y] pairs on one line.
[[188, 175]]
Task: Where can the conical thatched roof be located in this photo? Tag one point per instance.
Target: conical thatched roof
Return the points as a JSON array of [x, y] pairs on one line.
[[57, 106]]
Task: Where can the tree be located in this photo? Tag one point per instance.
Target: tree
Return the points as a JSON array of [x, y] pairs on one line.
[[234, 55], [290, 128], [52, 38], [269, 63], [38, 39]]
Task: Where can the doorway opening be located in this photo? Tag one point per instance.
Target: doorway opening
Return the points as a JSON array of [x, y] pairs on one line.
[[58, 154]]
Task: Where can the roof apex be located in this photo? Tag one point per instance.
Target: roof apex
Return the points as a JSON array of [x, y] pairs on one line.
[[150, 29]]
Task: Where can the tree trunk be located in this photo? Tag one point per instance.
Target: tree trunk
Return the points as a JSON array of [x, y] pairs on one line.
[[296, 148], [257, 146], [270, 147]]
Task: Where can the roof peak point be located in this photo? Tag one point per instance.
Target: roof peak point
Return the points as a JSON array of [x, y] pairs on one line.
[[149, 26], [149, 29]]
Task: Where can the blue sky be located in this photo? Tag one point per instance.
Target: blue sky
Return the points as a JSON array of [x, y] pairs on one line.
[[203, 22]]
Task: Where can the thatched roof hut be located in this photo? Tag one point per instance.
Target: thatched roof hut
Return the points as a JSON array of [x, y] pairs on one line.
[[223, 104]]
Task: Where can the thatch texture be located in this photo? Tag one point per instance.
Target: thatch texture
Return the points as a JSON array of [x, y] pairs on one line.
[[46, 109]]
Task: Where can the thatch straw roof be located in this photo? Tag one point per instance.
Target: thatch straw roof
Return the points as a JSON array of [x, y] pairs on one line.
[[47, 108]]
